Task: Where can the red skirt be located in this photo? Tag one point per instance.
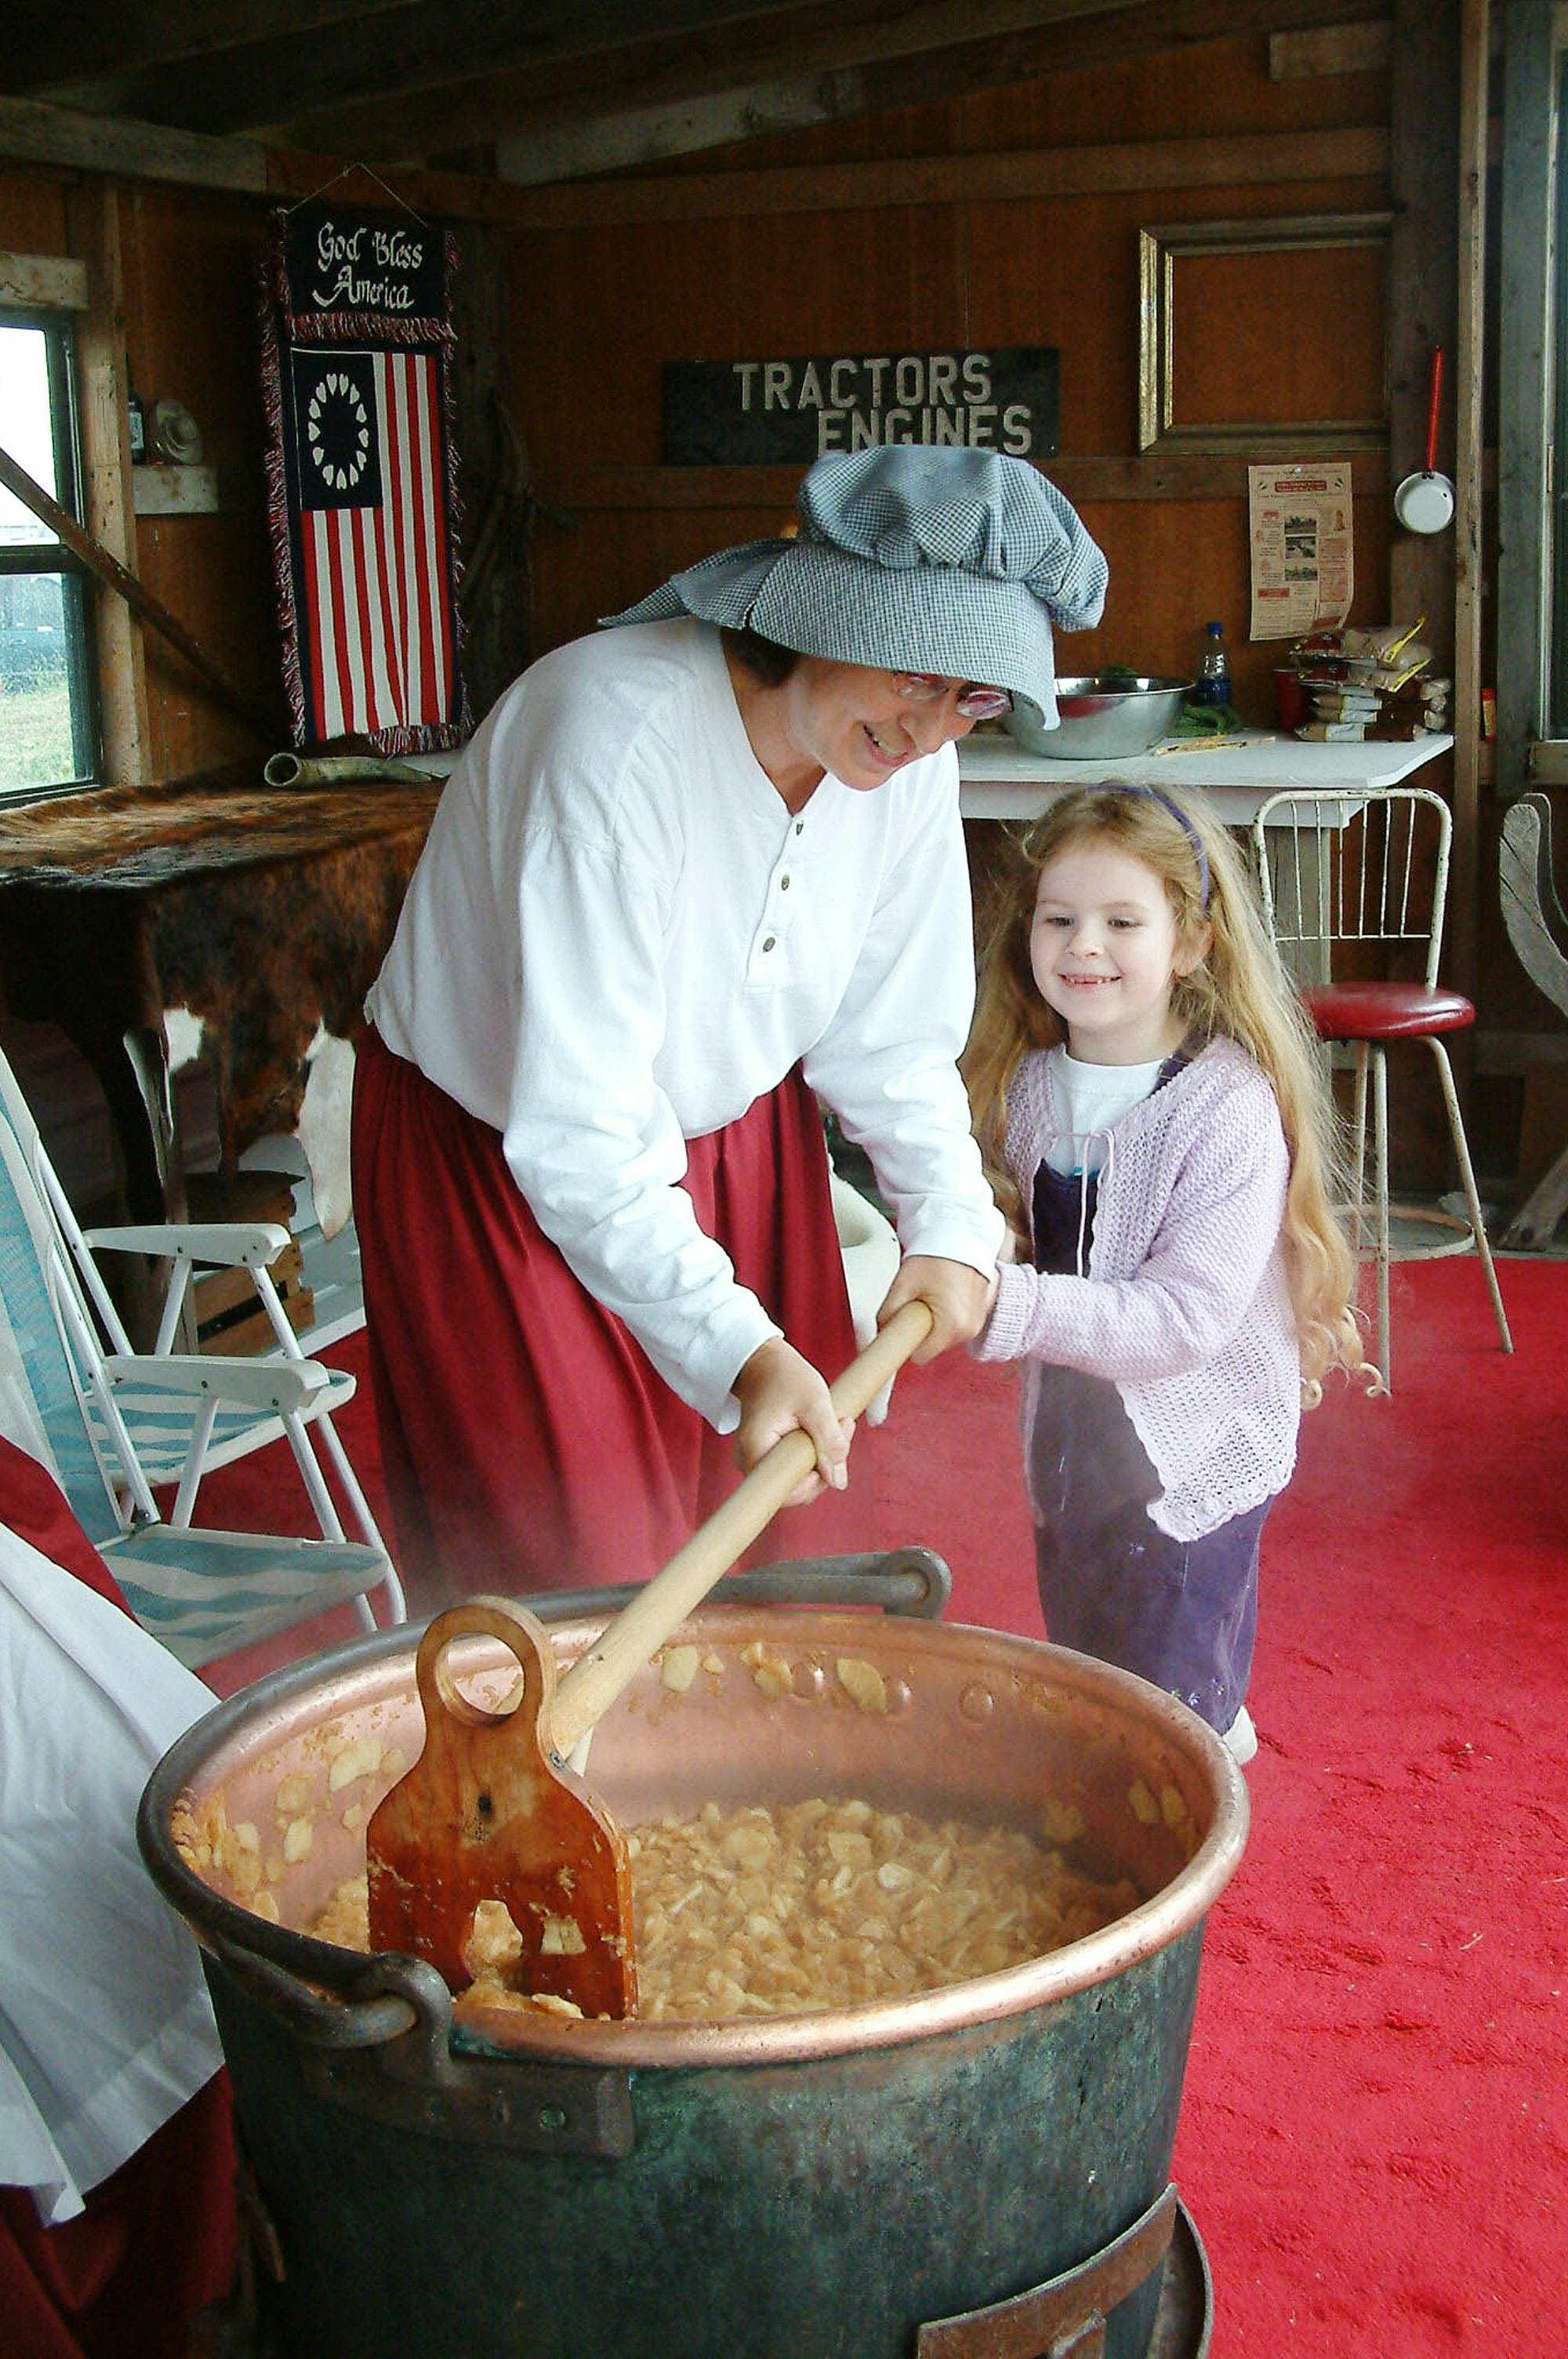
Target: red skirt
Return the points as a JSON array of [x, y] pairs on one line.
[[527, 1441]]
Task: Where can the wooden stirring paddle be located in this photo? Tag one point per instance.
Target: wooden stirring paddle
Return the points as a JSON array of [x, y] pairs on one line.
[[490, 1812], [486, 1816]]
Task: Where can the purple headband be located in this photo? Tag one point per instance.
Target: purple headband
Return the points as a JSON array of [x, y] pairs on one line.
[[1119, 786]]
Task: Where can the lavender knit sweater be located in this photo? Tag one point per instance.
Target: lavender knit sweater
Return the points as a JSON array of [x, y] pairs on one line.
[[1185, 1306]]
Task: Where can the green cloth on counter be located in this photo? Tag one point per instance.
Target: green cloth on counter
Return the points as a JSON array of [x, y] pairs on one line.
[[1206, 721]]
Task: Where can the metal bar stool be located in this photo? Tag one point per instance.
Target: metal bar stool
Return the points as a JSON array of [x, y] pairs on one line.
[[1359, 880]]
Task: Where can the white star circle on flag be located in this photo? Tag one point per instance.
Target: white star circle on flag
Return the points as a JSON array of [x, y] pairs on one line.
[[337, 413]]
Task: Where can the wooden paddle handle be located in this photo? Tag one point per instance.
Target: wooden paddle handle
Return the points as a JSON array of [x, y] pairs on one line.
[[640, 1629]]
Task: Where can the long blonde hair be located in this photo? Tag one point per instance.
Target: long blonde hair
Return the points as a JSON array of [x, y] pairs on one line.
[[1237, 990]]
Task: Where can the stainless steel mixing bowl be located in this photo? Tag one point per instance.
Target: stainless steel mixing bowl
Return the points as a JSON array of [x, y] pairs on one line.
[[1098, 722]]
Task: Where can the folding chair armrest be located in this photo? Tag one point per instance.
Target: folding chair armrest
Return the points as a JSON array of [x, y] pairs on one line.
[[285, 1386], [226, 1244]]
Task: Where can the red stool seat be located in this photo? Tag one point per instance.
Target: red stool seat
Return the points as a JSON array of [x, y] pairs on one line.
[[1385, 1011]]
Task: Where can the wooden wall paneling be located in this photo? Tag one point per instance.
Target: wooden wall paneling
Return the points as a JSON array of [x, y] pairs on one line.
[[1329, 49], [33, 212], [496, 526], [1067, 273], [1257, 335], [989, 271], [1143, 476], [208, 566], [1173, 568], [1064, 274], [92, 224], [1158, 95], [1422, 260], [192, 269]]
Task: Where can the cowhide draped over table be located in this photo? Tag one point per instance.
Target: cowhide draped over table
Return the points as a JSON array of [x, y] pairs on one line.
[[259, 915]]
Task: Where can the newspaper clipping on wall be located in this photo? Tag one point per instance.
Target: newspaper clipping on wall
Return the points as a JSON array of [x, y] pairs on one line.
[[1302, 549]]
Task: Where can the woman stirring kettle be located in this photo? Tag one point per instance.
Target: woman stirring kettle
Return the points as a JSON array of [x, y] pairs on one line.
[[693, 874]]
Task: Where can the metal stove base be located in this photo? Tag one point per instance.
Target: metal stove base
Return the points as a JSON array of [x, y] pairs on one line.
[[1184, 2320]]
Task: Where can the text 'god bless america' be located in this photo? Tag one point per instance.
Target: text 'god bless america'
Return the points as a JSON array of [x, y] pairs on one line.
[[778, 412]]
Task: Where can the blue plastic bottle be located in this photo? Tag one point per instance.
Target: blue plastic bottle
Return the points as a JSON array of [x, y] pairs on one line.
[[1213, 683]]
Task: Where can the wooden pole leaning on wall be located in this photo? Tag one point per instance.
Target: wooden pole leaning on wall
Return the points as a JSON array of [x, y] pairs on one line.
[[135, 593], [93, 215], [1475, 36], [1423, 298]]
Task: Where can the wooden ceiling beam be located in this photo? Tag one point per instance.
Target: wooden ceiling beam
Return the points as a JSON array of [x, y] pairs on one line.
[[32, 133], [793, 42], [40, 135], [1227, 160], [354, 53], [564, 144], [647, 98], [102, 41]]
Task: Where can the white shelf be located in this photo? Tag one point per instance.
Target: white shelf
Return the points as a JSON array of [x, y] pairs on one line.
[[999, 778]]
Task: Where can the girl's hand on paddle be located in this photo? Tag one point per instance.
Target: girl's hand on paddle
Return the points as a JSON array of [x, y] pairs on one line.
[[778, 1389], [959, 1298]]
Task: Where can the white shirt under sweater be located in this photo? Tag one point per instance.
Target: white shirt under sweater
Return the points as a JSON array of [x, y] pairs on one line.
[[619, 937], [1089, 1100], [1185, 1306]]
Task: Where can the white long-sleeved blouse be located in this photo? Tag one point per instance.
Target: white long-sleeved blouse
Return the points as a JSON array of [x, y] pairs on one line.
[[619, 937]]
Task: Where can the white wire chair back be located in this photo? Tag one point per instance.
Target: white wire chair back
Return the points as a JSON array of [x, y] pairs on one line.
[[1368, 868]]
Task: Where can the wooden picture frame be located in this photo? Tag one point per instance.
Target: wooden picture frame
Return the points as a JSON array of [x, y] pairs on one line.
[[1160, 252]]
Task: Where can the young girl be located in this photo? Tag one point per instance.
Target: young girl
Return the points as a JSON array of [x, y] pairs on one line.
[[1148, 1099]]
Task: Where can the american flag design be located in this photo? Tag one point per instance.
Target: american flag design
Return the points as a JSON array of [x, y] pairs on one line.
[[373, 579]]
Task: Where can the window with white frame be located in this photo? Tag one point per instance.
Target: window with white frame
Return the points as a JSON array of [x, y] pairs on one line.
[[49, 714]]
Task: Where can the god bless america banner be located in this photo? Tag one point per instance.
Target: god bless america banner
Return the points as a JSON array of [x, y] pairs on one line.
[[357, 348]]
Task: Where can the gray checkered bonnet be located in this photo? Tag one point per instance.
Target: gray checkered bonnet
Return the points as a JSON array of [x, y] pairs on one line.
[[955, 562]]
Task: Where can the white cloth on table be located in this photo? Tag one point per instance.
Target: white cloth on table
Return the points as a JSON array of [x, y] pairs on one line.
[[619, 937], [105, 2027]]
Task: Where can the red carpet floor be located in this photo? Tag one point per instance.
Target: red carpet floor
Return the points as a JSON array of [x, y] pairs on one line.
[[1374, 2140]]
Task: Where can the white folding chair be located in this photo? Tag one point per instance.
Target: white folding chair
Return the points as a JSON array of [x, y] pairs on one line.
[[1353, 890], [204, 1593], [164, 1423]]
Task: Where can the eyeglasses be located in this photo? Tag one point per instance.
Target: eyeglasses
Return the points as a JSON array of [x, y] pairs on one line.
[[974, 703]]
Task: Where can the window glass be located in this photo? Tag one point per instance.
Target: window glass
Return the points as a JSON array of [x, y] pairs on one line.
[[48, 713], [26, 427]]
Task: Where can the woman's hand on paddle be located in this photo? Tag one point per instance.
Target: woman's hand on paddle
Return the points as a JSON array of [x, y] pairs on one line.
[[959, 1298], [778, 1389]]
